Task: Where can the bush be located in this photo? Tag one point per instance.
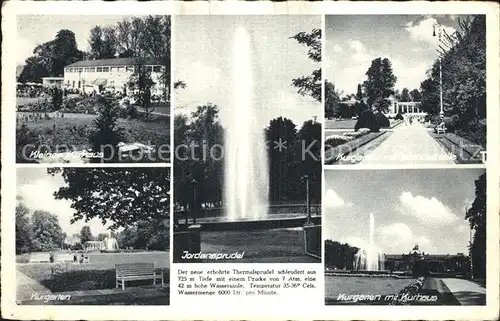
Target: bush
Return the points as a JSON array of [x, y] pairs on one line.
[[367, 120], [399, 117], [382, 120]]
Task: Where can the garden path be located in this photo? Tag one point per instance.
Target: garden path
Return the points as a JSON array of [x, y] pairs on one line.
[[465, 291], [408, 144], [26, 287]]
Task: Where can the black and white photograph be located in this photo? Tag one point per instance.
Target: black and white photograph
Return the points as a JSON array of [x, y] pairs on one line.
[[247, 136], [92, 236], [405, 89], [405, 237], [93, 89]]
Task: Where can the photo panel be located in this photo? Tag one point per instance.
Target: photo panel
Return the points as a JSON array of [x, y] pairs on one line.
[[247, 136], [92, 236], [405, 237], [405, 89], [93, 89]]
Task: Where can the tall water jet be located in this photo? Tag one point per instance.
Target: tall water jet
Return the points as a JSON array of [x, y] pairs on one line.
[[246, 186], [369, 257]]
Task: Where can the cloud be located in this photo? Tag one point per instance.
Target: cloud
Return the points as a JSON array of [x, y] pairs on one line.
[[429, 211], [38, 195], [337, 48], [333, 200], [399, 238], [356, 45], [422, 31]]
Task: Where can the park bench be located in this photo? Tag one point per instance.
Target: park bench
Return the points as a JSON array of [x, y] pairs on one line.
[[64, 257], [39, 258], [441, 129], [136, 272]]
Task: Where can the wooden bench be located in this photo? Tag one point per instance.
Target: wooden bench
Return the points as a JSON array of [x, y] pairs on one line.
[[136, 271], [39, 258], [64, 257]]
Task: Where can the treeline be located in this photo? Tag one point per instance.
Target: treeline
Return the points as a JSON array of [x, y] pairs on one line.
[[476, 215], [339, 255], [49, 58], [299, 156], [463, 60], [39, 231], [139, 37]]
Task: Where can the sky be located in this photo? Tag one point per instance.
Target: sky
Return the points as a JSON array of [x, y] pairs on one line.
[[353, 41], [205, 54], [33, 30], [37, 188], [410, 206]]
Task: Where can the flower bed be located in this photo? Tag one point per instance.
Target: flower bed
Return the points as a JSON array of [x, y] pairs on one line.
[[409, 292], [339, 139]]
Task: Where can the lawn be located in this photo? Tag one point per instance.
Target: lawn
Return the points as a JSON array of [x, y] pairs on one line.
[[255, 244], [340, 124], [74, 130], [98, 274], [356, 285]]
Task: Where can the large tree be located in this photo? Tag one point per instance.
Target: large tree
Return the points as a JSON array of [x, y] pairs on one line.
[[141, 83], [282, 176], [405, 95], [359, 93], [415, 95], [308, 159], [47, 233], [380, 84], [50, 58], [148, 38], [332, 100], [86, 234], [204, 129], [476, 215], [103, 42], [463, 65], [120, 196], [106, 133], [24, 232], [310, 85]]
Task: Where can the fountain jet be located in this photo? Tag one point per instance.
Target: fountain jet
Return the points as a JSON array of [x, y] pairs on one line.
[[246, 189], [369, 258]]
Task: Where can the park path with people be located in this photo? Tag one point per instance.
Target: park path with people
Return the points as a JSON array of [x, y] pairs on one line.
[[465, 291], [408, 144]]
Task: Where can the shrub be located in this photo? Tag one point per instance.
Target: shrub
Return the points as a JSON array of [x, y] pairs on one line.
[[399, 116], [367, 120], [382, 120]]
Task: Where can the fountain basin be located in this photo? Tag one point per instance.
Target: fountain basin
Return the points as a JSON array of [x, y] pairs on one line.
[[267, 223]]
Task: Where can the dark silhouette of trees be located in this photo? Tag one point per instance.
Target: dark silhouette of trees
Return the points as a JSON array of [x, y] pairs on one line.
[[463, 61], [476, 215], [310, 85], [121, 196]]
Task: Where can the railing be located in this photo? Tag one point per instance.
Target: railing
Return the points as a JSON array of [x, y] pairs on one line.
[[272, 209]]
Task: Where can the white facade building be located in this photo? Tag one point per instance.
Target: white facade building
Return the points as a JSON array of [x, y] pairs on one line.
[[108, 75], [51, 82], [413, 108]]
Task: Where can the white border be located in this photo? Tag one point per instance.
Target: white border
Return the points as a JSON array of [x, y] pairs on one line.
[[305, 311]]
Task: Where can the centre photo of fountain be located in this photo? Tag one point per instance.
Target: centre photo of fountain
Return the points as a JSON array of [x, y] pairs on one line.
[[247, 169], [405, 237]]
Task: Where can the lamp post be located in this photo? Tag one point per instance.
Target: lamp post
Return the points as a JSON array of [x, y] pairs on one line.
[[308, 200], [195, 209], [441, 112]]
